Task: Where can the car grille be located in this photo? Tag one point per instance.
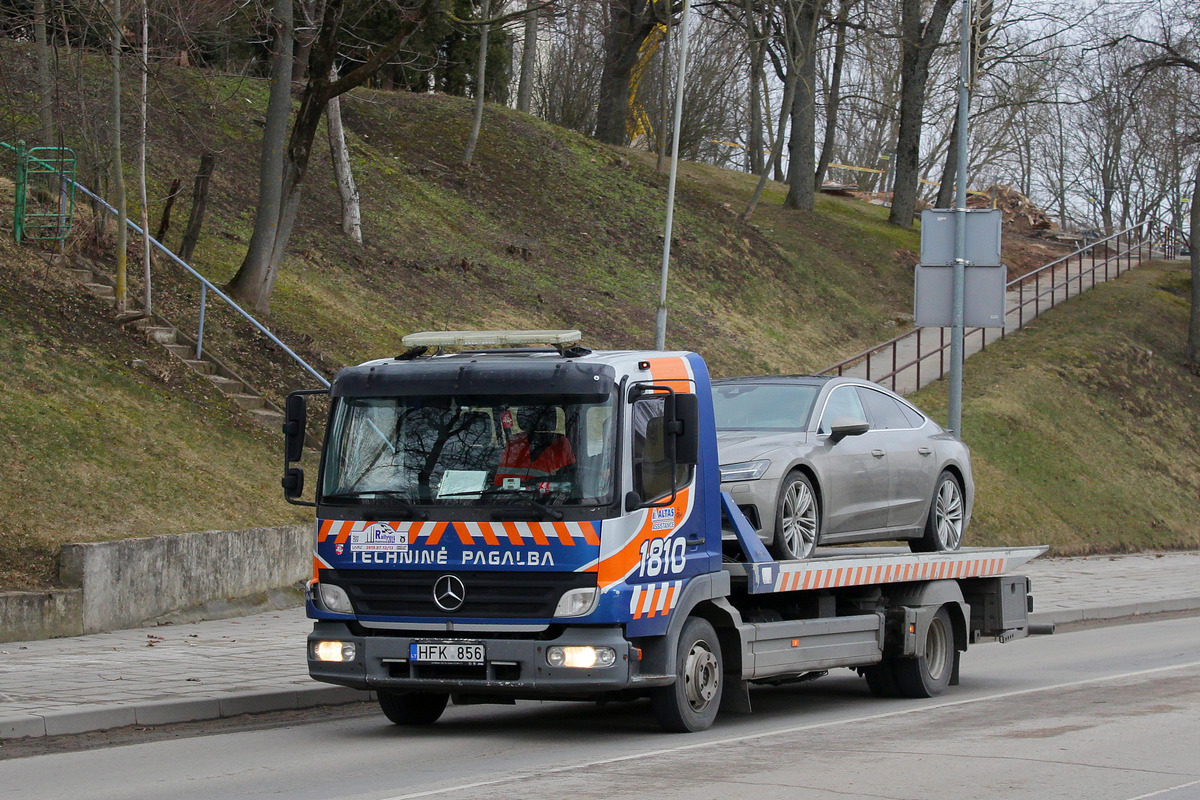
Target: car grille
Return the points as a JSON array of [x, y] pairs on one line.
[[409, 593]]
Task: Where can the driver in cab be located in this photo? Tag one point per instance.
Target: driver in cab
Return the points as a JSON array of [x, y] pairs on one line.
[[538, 452]]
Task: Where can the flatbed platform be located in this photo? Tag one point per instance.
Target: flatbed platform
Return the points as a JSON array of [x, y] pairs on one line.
[[830, 568]]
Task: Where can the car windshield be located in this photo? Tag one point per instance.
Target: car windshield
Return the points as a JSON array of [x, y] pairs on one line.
[[535, 451], [763, 406]]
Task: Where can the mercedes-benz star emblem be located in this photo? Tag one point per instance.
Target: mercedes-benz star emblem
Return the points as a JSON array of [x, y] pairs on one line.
[[449, 592]]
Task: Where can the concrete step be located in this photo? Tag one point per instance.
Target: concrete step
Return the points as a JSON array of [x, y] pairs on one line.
[[183, 351], [160, 334], [100, 290], [249, 402], [82, 275], [228, 385], [269, 419], [203, 367]]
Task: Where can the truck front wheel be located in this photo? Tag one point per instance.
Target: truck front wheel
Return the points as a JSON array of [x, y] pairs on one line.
[[691, 703], [413, 708]]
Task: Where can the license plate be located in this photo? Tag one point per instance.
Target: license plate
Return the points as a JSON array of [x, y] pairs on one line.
[[446, 653]]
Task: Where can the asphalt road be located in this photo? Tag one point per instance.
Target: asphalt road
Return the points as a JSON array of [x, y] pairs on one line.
[[1109, 713]]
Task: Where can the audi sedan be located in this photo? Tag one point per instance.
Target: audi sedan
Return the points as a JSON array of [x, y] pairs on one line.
[[819, 460]]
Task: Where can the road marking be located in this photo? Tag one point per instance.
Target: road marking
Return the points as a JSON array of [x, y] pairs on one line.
[[1166, 791], [463, 787]]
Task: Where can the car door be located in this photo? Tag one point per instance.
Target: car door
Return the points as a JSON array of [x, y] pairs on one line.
[[853, 470], [909, 458]]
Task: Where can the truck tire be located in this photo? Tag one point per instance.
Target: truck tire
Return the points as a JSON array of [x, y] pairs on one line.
[[929, 675], [944, 525], [797, 518], [413, 708], [691, 703], [881, 679]]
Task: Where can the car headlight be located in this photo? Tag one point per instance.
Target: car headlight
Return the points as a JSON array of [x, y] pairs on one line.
[[334, 598], [744, 470], [577, 602]]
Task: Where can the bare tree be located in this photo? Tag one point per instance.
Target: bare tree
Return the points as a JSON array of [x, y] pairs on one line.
[[528, 56], [919, 38], [802, 144], [480, 74], [343, 172]]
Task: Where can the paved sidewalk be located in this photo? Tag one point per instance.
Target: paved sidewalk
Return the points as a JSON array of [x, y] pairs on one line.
[[206, 670]]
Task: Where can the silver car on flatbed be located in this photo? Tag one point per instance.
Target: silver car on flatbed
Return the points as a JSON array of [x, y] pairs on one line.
[[819, 460]]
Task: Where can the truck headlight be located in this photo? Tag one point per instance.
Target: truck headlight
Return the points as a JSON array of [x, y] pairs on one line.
[[744, 470], [577, 602], [582, 657], [332, 651], [334, 598]]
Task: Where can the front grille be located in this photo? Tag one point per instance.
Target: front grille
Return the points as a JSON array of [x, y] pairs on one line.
[[409, 593]]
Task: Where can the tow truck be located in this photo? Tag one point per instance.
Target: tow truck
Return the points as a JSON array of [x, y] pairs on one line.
[[454, 559]]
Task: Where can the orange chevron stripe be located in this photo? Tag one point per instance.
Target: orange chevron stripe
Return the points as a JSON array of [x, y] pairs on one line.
[[564, 534], [344, 532], [323, 530], [539, 535], [436, 535], [464, 535], [489, 533], [670, 602], [514, 536], [589, 533]]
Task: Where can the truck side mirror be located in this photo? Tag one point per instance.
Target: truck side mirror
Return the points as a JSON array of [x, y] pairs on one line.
[[294, 424], [685, 427], [293, 483]]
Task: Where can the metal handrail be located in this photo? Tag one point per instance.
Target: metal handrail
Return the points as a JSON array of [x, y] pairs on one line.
[[1128, 253], [205, 285]]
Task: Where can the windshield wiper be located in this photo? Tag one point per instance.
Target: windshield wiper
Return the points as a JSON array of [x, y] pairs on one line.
[[395, 497], [517, 494]]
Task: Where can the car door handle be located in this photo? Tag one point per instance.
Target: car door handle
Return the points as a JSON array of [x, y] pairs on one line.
[[878, 453], [924, 451]]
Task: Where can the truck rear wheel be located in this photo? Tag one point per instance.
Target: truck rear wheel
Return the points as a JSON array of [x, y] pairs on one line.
[[929, 675], [413, 708], [881, 679], [691, 703]]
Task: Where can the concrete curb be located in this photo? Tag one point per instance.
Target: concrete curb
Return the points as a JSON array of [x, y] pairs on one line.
[[1100, 613], [100, 717]]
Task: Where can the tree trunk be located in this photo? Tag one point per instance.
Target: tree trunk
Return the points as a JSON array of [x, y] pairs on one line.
[[918, 40], [45, 82], [664, 104], [789, 92], [164, 221], [118, 173], [480, 76], [756, 42], [802, 143], [255, 279], [629, 23], [191, 234], [249, 283], [834, 99], [343, 173], [945, 195], [1193, 343], [528, 57]]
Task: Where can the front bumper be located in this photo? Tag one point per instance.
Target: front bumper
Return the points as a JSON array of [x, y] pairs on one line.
[[513, 667]]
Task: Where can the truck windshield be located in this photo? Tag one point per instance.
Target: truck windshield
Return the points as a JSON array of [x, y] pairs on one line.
[[499, 450]]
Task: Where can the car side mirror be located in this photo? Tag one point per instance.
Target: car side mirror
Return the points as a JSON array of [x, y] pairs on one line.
[[847, 426]]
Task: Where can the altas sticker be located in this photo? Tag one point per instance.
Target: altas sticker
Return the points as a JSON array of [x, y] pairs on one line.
[[662, 519]]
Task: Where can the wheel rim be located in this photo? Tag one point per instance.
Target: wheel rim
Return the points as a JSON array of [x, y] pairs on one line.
[[936, 649], [948, 515], [701, 676], [799, 519]]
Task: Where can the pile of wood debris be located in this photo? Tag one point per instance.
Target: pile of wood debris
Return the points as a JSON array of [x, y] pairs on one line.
[[1021, 215]]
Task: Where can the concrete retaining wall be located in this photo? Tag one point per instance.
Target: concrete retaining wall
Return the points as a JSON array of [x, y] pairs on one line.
[[134, 582]]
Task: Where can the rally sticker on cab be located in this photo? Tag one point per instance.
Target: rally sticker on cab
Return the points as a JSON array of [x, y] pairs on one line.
[[379, 538]]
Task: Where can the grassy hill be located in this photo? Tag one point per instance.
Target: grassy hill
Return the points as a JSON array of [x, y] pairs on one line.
[[547, 229], [1085, 427]]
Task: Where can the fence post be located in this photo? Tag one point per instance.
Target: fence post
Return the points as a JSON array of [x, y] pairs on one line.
[[200, 329], [19, 192]]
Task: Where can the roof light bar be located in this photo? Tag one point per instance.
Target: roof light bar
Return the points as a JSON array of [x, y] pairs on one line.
[[490, 338]]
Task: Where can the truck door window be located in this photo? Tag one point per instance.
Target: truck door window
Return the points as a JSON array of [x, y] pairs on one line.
[[652, 478]]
